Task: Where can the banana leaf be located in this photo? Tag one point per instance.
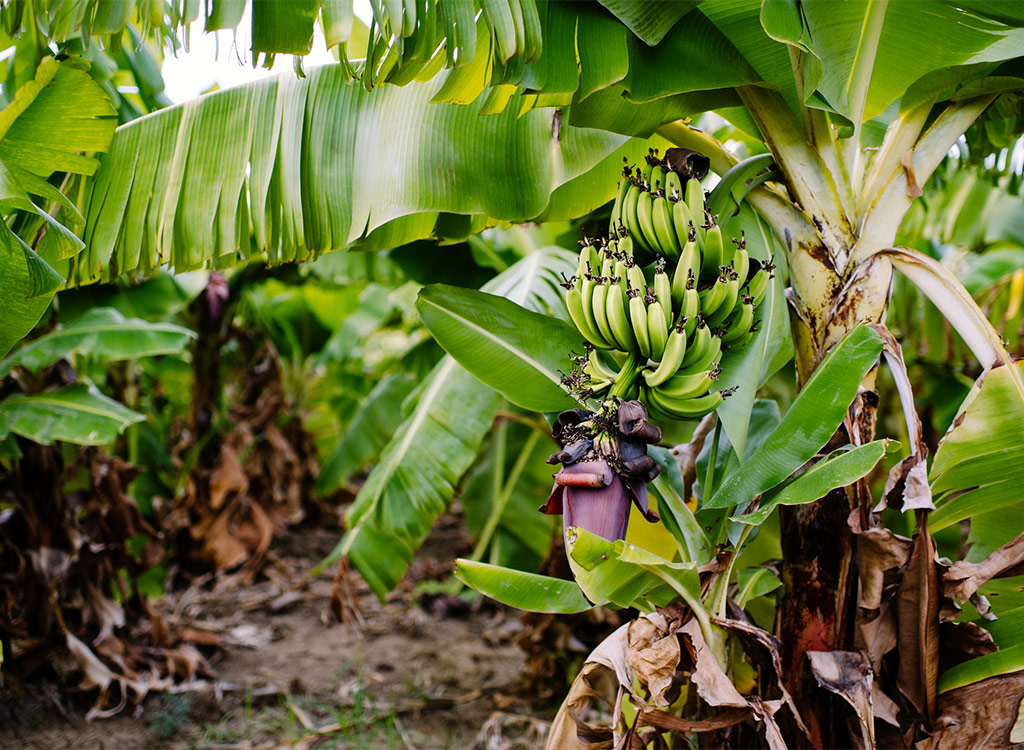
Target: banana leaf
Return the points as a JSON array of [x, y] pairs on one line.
[[105, 334], [77, 414], [420, 467]]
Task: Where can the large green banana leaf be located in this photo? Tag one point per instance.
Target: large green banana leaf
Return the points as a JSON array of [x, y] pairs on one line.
[[76, 414], [103, 333], [312, 165], [55, 116], [976, 476], [976, 468], [428, 454]]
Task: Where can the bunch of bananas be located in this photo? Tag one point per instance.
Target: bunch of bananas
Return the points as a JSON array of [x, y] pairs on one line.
[[667, 291]]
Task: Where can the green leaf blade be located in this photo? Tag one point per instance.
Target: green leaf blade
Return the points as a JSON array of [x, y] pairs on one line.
[[77, 414], [527, 591], [519, 353], [811, 420]]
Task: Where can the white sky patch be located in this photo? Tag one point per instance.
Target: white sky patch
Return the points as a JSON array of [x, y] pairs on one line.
[[224, 58]]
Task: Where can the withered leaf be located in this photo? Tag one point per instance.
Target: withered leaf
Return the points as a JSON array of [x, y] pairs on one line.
[[653, 654], [749, 634], [568, 730], [713, 684], [878, 550], [917, 614], [981, 715], [963, 579], [848, 674]]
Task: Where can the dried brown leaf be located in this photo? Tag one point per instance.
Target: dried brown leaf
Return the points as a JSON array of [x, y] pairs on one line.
[[963, 579], [848, 674], [878, 551], [228, 477], [917, 614], [765, 712], [568, 730], [876, 636], [980, 715], [653, 655], [748, 632], [961, 641], [713, 684], [669, 722]]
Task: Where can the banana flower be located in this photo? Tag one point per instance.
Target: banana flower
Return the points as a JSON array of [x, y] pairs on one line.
[[602, 474]]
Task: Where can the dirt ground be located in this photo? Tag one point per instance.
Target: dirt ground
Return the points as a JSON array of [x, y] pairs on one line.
[[418, 673]]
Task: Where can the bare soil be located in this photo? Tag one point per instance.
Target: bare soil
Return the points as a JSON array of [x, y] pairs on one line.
[[285, 674]]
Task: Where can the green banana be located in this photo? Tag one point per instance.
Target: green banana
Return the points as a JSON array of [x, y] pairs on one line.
[[690, 305], [651, 161], [588, 281], [618, 321], [574, 301], [695, 201], [711, 354], [673, 186], [656, 180], [645, 217], [638, 319], [629, 220], [616, 217], [699, 345], [713, 297], [675, 348], [625, 245], [619, 273], [657, 327], [757, 287], [687, 267], [684, 225], [692, 408], [596, 368], [714, 254], [635, 277], [732, 292], [600, 295], [664, 229], [741, 261], [691, 384], [738, 324], [663, 289]]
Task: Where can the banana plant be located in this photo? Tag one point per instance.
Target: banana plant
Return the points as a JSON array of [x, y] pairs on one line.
[[455, 118]]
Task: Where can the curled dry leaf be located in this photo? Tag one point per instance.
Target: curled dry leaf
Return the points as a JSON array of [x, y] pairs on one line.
[[570, 730], [749, 635], [653, 655], [907, 487], [848, 674], [917, 614], [981, 715], [961, 641], [686, 453], [877, 635], [879, 551], [963, 579], [713, 684]]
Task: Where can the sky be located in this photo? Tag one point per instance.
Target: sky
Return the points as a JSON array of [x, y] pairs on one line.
[[221, 58]]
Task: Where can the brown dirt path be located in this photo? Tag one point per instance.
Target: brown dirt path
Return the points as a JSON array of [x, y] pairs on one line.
[[288, 676]]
